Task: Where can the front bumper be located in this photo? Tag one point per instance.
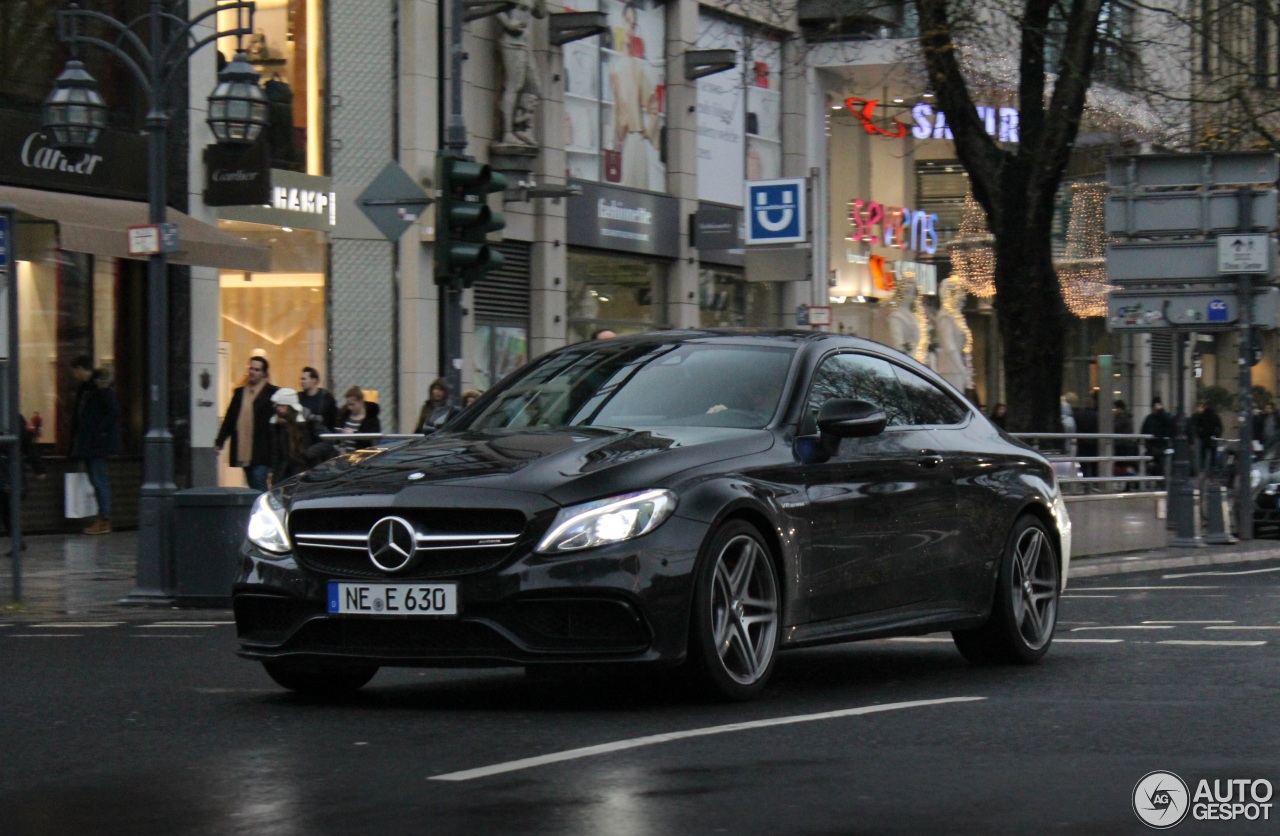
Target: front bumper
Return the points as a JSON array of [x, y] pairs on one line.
[[628, 602]]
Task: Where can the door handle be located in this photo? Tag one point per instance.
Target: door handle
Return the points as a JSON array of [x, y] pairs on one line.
[[929, 459]]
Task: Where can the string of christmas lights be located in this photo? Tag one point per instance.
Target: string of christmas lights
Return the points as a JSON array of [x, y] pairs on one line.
[[1082, 270], [973, 258]]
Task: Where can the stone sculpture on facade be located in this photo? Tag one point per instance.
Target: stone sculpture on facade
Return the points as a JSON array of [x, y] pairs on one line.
[[955, 345], [904, 329], [521, 93]]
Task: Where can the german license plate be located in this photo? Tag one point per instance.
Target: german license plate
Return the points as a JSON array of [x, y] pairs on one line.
[[393, 598]]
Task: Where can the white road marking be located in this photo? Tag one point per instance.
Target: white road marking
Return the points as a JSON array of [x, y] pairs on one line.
[[1087, 596], [186, 624], [1088, 641], [45, 635], [651, 740], [77, 625], [929, 639], [1228, 621], [1126, 627], [1243, 572], [162, 635], [1213, 644], [1244, 627], [1139, 588]]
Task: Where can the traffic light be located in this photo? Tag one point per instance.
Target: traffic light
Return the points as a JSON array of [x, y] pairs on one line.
[[464, 220]]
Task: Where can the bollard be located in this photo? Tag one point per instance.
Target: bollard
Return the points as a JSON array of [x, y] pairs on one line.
[[1182, 498], [1217, 529]]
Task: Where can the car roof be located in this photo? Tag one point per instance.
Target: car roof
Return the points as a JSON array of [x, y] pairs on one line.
[[776, 336]]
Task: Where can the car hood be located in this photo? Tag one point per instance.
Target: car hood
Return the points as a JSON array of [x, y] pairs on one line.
[[567, 465]]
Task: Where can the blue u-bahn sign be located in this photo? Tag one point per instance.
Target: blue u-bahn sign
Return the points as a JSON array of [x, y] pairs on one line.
[[775, 211]]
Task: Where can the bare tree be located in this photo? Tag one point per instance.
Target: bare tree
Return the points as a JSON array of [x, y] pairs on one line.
[[1016, 186]]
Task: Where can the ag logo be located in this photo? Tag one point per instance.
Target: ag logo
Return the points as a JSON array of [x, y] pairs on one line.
[[775, 211], [1161, 800]]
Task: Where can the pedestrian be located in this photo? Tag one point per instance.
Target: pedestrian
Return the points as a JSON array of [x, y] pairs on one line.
[[291, 436], [1265, 426], [248, 424], [320, 405], [1206, 429], [1160, 426], [1086, 419], [36, 426], [31, 460], [95, 434], [436, 409], [357, 416], [998, 415], [1122, 424], [470, 396], [603, 334]]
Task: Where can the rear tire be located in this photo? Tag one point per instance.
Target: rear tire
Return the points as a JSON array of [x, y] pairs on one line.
[[320, 680], [733, 635], [1024, 611]]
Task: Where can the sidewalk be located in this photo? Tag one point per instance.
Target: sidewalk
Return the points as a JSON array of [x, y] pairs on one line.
[[73, 576]]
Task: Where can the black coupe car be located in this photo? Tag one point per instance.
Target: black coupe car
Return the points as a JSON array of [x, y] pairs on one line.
[[695, 499]]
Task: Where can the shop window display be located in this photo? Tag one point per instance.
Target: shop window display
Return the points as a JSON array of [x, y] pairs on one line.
[[622, 294]]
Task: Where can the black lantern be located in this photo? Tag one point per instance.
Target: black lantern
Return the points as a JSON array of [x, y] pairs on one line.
[[74, 111], [237, 106]]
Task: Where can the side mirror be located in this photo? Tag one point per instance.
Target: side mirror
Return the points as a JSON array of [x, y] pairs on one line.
[[847, 418], [838, 418]]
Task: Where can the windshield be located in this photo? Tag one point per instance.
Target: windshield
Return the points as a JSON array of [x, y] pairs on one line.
[[603, 383]]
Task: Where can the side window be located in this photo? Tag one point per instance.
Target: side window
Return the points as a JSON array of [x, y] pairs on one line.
[[862, 378], [929, 404]]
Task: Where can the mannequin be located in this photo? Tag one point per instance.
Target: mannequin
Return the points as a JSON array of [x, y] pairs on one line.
[[904, 331], [954, 359]]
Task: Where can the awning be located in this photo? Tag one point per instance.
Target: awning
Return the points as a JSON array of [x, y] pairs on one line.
[[98, 225]]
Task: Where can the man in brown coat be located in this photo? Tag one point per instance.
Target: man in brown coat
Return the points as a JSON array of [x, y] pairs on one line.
[[248, 424]]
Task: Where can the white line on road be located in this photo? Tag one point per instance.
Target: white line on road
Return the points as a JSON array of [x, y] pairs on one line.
[[637, 742], [1243, 627], [1202, 574], [1212, 644], [1138, 588], [162, 635], [1089, 641], [1228, 621], [184, 624], [77, 625], [1126, 627], [1088, 596], [45, 635]]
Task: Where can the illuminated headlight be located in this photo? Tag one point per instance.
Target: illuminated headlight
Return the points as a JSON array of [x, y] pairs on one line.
[[266, 524], [609, 520]]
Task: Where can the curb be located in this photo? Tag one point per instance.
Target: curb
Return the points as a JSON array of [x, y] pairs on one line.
[[1089, 567]]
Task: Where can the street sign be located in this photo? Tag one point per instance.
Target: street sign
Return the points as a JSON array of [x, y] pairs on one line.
[[1194, 310], [776, 211], [819, 314], [150, 239], [802, 315], [1245, 253], [393, 201]]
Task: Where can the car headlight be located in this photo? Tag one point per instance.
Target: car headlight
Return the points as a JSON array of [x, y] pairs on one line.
[[266, 524], [609, 520]]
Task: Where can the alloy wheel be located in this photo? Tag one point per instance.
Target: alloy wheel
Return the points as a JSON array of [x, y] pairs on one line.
[[744, 609], [1035, 587]]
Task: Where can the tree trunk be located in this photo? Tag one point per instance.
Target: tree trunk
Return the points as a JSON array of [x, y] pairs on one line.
[[1032, 319]]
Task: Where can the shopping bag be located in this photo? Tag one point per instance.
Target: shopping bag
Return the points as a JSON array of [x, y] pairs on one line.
[[79, 499]]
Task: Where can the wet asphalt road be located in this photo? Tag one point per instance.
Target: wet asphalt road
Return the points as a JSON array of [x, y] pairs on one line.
[[149, 726]]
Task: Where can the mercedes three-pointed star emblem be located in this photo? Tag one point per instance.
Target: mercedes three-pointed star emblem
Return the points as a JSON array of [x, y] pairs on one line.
[[392, 544]]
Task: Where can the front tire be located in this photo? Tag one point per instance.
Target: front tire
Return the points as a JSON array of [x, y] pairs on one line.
[[1025, 609], [320, 680], [733, 636]]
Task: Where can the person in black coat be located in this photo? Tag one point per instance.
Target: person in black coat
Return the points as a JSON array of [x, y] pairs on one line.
[[436, 409], [248, 424], [31, 459], [319, 403], [95, 434], [357, 416], [1159, 424]]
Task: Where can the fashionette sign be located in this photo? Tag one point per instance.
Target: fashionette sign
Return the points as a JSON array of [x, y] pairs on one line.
[[114, 167], [610, 218]]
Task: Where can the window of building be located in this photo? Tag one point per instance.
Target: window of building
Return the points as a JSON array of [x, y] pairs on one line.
[[622, 294], [287, 49], [727, 300], [278, 315], [739, 112], [1116, 60], [615, 97]]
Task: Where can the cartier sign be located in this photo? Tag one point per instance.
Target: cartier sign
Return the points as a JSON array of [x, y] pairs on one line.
[[114, 167]]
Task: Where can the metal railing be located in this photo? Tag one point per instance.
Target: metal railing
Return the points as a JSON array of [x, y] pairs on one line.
[[1102, 471]]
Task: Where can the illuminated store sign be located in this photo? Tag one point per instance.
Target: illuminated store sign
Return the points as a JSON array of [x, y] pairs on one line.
[[1001, 122], [900, 228]]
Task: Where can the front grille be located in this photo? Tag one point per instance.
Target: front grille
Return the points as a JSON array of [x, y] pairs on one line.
[[566, 624], [269, 619], [450, 542]]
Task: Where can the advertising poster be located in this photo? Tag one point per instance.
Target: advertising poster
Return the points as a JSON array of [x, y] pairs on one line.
[[721, 119]]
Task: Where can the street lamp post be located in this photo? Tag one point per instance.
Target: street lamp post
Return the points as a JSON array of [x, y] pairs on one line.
[[74, 113]]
